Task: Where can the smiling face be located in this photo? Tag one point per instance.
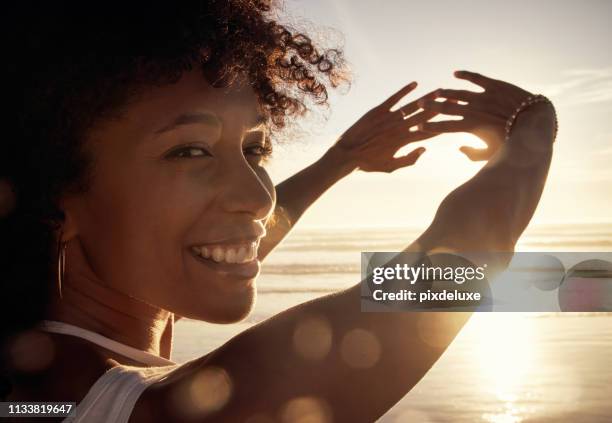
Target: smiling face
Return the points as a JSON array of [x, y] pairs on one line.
[[178, 199]]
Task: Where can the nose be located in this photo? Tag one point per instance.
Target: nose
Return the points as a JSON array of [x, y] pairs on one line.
[[246, 192]]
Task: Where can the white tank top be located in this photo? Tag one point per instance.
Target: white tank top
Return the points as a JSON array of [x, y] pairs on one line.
[[113, 396]]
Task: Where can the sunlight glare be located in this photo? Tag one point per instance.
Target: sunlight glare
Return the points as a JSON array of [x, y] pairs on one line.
[[506, 358]]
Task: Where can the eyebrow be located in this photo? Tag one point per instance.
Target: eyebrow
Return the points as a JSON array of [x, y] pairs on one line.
[[260, 120], [205, 118], [190, 118]]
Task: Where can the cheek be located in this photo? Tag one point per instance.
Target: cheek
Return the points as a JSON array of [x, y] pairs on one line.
[[136, 230], [137, 222], [265, 179]]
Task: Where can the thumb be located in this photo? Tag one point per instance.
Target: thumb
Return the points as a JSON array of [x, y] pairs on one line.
[[406, 160], [475, 154]]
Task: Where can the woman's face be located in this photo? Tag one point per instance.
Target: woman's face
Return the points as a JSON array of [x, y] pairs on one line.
[[178, 200]]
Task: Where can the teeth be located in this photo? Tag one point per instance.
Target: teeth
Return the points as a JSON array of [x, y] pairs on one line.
[[218, 254], [236, 254], [242, 252], [251, 254]]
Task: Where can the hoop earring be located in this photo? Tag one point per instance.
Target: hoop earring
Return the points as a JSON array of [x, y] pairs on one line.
[[61, 264]]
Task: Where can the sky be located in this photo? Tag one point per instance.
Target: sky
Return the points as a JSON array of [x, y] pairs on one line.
[[557, 48]]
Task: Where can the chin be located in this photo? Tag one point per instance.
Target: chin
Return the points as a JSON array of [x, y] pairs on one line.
[[230, 307]]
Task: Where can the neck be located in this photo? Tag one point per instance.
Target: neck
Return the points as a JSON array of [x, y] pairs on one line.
[[88, 303]]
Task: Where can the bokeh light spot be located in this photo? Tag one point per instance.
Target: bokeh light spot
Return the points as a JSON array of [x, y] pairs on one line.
[[587, 287], [306, 410], [207, 392], [260, 418], [211, 389], [312, 338], [32, 351], [360, 349]]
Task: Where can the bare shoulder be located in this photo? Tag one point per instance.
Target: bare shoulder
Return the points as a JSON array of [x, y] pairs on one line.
[[59, 368]]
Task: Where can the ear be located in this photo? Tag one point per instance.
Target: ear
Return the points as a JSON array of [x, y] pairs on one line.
[[69, 227]]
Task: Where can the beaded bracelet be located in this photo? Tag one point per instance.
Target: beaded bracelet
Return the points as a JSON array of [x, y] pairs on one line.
[[532, 99]]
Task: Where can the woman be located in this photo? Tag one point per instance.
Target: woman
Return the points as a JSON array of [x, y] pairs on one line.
[[138, 194]]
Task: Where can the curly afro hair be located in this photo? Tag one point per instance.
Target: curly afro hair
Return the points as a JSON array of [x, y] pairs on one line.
[[71, 64]]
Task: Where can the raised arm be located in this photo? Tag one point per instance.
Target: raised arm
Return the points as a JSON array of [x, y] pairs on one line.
[[490, 211], [369, 145], [370, 360]]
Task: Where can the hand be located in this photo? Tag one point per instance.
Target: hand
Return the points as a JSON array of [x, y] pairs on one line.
[[371, 143], [484, 113]]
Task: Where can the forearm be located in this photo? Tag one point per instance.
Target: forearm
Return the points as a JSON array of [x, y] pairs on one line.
[[296, 194], [370, 144], [490, 211]]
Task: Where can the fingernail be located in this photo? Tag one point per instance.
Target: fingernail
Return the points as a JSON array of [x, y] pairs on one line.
[[421, 150], [420, 126], [412, 84]]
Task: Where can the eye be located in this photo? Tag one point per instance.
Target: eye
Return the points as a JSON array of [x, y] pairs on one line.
[[189, 152], [258, 145], [258, 150]]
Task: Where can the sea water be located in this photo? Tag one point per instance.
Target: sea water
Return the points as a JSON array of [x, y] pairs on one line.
[[501, 368]]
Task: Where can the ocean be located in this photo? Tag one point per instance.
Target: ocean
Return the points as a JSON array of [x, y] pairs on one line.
[[501, 368]]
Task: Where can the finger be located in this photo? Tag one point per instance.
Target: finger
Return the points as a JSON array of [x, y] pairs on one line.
[[461, 95], [399, 133], [414, 136], [478, 106], [475, 154], [406, 160], [417, 118], [413, 106], [391, 101], [475, 78], [408, 137], [405, 124], [400, 127], [444, 126], [444, 107]]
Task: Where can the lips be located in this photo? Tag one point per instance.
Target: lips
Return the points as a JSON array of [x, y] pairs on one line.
[[236, 259], [228, 253]]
